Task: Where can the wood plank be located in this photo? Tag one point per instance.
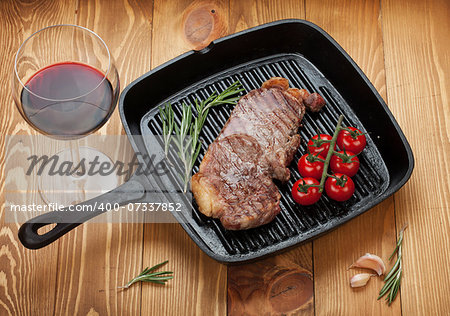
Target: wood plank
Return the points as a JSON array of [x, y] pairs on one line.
[[27, 277], [199, 285], [283, 283], [418, 79], [279, 285], [356, 27], [246, 14], [96, 258], [180, 26]]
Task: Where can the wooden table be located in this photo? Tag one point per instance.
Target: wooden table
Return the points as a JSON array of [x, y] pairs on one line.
[[402, 46]]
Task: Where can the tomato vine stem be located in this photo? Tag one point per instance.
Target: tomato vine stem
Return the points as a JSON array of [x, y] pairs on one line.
[[353, 134], [330, 152], [304, 187], [340, 181], [313, 158], [345, 157]]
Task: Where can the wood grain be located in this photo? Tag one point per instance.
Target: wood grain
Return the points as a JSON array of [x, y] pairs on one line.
[[257, 289], [27, 278], [96, 258], [246, 14], [199, 285], [402, 46], [418, 79], [191, 25], [278, 285], [204, 22], [356, 26]]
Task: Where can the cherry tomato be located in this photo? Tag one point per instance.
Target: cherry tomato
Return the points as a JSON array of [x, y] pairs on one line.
[[353, 141], [340, 188], [312, 194], [316, 146], [310, 169], [348, 166]]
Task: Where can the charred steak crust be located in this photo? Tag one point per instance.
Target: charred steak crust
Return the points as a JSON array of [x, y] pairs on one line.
[[239, 182], [257, 143]]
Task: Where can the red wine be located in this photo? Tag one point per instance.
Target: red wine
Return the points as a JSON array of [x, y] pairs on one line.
[[68, 99]]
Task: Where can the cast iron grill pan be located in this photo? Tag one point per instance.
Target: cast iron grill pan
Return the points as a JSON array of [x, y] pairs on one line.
[[295, 223], [297, 50]]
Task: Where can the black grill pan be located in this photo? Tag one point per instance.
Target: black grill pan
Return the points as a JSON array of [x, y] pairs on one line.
[[303, 53]]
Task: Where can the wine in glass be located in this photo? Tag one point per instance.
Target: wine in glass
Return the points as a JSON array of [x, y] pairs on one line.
[[66, 86]]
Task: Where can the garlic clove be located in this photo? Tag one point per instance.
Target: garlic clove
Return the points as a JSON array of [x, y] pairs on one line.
[[360, 280], [370, 261]]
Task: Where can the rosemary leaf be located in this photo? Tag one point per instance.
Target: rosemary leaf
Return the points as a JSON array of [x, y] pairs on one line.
[[393, 271], [148, 276], [167, 117], [394, 277], [386, 287], [395, 289], [400, 239], [157, 266]]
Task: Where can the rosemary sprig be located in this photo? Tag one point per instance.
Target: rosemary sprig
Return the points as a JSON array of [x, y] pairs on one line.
[[167, 117], [187, 133], [394, 277], [148, 276]]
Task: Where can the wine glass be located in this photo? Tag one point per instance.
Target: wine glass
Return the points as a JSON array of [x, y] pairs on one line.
[[66, 86]]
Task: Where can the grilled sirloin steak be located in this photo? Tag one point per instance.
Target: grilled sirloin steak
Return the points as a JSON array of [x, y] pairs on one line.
[[256, 144]]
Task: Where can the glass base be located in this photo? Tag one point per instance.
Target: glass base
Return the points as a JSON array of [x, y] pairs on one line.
[[72, 183]]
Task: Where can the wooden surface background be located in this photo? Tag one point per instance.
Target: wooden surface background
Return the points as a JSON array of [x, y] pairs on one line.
[[402, 46]]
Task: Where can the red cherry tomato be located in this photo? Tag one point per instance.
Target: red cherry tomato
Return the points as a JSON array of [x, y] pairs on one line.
[[348, 166], [340, 189], [316, 146], [353, 141], [311, 169], [312, 194]]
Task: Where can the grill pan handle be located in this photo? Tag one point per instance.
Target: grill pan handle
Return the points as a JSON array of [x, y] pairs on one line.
[[130, 191]]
